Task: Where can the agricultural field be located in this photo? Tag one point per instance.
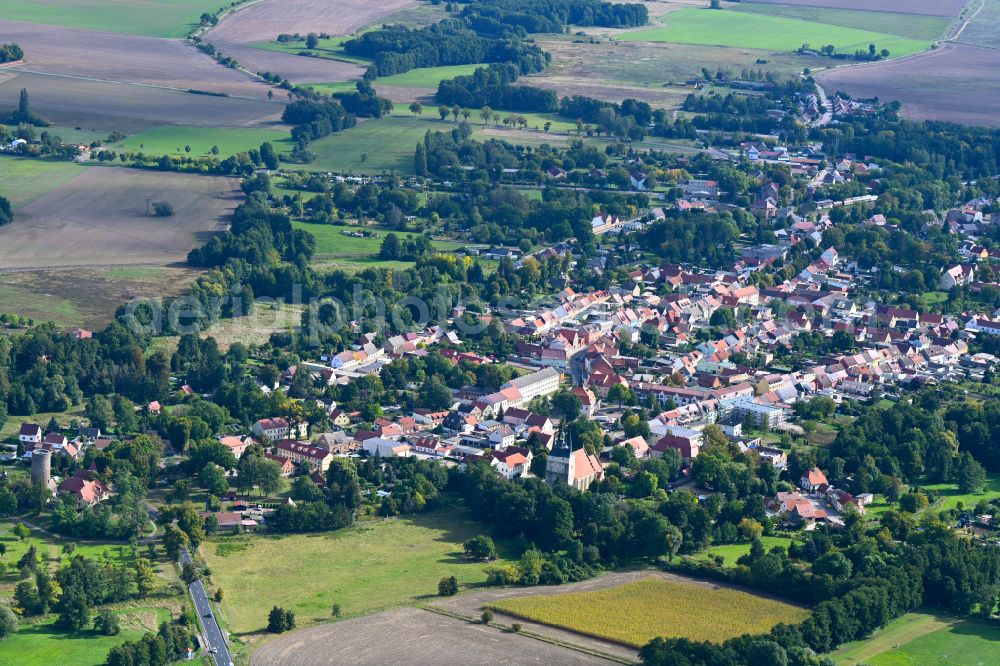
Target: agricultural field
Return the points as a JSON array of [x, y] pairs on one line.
[[925, 638], [982, 30], [954, 83], [109, 57], [916, 26], [99, 218], [132, 17], [24, 180], [42, 643], [337, 86], [263, 21], [429, 638], [384, 145], [107, 106], [637, 612], [86, 297], [175, 139], [774, 33], [920, 7], [367, 567]]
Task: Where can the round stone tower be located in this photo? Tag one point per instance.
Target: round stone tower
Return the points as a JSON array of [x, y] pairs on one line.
[[41, 466]]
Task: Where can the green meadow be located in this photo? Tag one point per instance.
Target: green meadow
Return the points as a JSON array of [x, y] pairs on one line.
[[769, 33], [162, 18], [925, 639], [174, 139], [428, 77], [331, 49], [23, 180]]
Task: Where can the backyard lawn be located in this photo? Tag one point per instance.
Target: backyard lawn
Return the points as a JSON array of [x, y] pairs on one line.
[[734, 551]]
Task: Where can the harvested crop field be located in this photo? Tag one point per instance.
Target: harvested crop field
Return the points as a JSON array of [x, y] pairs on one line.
[[926, 7], [412, 636], [107, 106], [263, 21], [112, 57], [955, 83], [99, 218], [637, 612]]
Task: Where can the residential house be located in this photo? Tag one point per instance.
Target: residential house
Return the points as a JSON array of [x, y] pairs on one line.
[[813, 479], [88, 492]]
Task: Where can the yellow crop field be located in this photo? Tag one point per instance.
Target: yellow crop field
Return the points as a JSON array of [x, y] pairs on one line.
[[635, 613]]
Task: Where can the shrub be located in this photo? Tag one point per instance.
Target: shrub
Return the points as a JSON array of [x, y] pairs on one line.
[[163, 209]]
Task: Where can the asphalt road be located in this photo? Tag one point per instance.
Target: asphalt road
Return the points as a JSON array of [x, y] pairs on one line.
[[212, 632]]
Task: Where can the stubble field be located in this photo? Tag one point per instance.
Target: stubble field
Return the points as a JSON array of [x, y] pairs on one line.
[[98, 218], [129, 108]]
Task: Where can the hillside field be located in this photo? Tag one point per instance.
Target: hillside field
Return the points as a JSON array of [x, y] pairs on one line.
[[637, 612], [369, 566], [772, 33]]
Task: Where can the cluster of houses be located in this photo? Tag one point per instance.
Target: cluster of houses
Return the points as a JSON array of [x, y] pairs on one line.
[[816, 502]]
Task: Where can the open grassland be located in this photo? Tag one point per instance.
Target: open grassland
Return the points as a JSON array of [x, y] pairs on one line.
[[740, 29], [24, 180], [152, 18], [925, 639], [384, 145], [916, 26], [367, 567], [951, 495], [648, 64], [99, 218], [954, 82], [637, 612], [330, 88], [731, 552], [42, 643], [428, 77], [108, 106], [124, 58], [924, 7], [175, 139], [86, 297]]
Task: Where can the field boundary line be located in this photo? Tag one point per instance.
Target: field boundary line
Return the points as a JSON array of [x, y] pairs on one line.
[[529, 634]]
